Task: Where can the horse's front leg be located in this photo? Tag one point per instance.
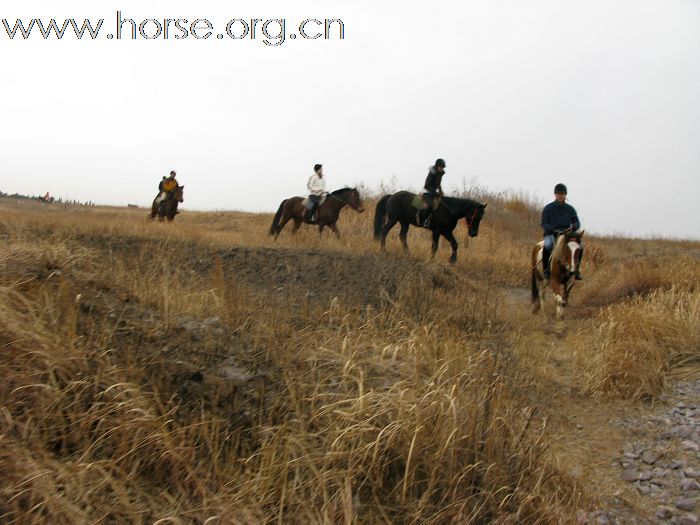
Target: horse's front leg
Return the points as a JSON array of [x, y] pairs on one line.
[[559, 298], [335, 230], [455, 245], [321, 227], [434, 248]]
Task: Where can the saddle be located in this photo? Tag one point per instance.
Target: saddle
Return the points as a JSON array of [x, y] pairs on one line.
[[420, 203], [307, 202]]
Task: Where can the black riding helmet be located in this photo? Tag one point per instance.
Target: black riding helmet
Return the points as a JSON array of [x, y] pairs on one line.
[[560, 188], [440, 163], [317, 167]]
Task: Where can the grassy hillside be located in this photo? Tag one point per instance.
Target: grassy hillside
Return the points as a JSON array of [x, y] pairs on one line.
[[200, 373]]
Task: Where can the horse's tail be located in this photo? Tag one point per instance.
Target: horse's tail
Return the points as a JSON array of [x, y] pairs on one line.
[[380, 216], [276, 220]]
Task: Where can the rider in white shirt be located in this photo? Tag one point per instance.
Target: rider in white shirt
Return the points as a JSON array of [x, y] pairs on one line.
[[317, 188]]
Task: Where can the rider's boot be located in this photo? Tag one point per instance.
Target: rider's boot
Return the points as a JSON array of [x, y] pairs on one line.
[[545, 263], [577, 270]]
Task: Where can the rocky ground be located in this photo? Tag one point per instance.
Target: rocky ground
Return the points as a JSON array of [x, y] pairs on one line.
[[661, 461]]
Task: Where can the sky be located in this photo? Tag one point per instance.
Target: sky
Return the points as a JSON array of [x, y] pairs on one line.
[[603, 96]]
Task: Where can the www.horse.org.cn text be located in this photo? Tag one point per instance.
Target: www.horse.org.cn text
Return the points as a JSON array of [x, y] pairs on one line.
[[271, 32]]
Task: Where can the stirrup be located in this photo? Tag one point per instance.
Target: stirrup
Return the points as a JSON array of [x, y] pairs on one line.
[[547, 274]]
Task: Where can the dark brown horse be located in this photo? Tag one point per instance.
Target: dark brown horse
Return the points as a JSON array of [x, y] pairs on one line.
[[168, 208], [564, 261], [326, 215], [401, 207]]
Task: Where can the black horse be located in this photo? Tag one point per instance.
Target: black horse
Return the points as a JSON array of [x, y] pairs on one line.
[[401, 207]]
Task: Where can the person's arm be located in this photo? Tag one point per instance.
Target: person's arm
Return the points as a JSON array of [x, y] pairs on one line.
[[546, 226], [430, 182], [575, 223]]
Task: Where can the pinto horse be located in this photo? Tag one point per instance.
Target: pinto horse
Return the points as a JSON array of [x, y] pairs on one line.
[[326, 215], [168, 208], [565, 258], [400, 207]]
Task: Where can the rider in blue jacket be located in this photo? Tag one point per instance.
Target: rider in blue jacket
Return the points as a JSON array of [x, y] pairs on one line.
[[558, 216]]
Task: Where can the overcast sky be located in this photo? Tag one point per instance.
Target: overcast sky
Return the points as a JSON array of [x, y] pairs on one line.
[[602, 95]]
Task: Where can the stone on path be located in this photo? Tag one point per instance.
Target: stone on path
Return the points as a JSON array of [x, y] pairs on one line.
[[689, 519], [630, 475], [685, 504]]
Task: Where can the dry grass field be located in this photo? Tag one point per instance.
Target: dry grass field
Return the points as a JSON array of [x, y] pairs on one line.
[[199, 373]]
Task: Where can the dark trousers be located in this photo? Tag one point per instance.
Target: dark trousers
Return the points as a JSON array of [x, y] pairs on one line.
[[430, 200], [314, 200]]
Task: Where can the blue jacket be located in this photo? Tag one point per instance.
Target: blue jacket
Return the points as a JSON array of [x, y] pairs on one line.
[[559, 216]]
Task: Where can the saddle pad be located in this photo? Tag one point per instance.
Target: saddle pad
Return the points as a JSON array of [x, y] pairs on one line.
[[306, 203], [418, 202]]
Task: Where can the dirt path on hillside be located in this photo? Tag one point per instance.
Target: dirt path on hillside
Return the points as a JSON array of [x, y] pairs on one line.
[[640, 460]]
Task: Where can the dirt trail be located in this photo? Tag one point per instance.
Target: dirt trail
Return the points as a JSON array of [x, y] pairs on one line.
[[642, 460]]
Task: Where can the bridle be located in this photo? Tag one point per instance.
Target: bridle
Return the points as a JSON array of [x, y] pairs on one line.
[[350, 202], [470, 221]]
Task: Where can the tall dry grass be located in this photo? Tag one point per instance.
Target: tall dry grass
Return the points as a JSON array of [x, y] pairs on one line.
[[139, 390], [146, 381], [637, 342]]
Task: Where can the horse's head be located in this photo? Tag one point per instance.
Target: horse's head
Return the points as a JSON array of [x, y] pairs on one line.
[[474, 219], [351, 197], [355, 201], [179, 194], [570, 257]]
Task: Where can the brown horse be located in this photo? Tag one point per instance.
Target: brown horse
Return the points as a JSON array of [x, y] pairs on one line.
[[564, 261], [168, 208], [326, 215]]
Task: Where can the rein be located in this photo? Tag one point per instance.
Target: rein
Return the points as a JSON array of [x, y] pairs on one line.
[[346, 202], [471, 221]]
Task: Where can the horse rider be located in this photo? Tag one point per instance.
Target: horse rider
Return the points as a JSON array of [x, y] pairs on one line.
[[557, 217], [166, 187], [317, 189], [433, 188]]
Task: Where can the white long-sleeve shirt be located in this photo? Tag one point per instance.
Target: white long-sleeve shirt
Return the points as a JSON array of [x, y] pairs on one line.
[[316, 185]]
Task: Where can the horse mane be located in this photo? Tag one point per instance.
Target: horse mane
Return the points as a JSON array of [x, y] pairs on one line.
[[457, 200], [341, 190], [558, 249]]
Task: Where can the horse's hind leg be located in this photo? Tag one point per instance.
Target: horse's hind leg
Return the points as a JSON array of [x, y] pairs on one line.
[[403, 235], [282, 224], [537, 293], [385, 231]]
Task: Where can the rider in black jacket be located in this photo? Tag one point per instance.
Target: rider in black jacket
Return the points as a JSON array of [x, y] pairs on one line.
[[433, 188], [557, 216]]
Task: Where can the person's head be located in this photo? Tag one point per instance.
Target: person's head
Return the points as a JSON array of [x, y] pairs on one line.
[[440, 166], [560, 192], [173, 174], [318, 168]]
